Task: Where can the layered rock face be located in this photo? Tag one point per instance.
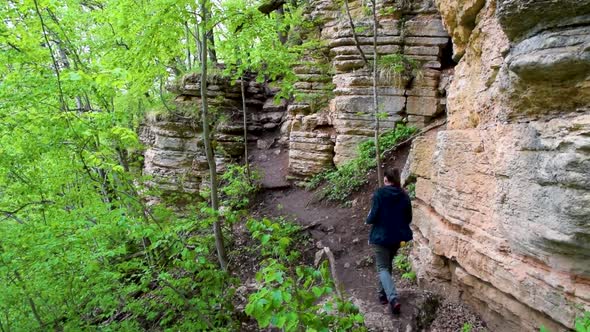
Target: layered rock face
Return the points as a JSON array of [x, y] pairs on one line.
[[175, 158], [334, 110], [502, 213]]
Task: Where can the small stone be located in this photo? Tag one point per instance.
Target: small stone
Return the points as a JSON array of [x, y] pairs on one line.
[[355, 240], [277, 152], [242, 290], [346, 265]]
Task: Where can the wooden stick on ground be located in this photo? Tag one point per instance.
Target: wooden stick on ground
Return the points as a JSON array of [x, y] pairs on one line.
[[332, 262]]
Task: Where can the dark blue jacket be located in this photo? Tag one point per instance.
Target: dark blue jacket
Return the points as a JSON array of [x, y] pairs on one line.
[[390, 217]]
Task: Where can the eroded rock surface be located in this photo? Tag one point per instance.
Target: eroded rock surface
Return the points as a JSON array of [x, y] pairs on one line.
[[334, 109], [502, 213], [175, 158]]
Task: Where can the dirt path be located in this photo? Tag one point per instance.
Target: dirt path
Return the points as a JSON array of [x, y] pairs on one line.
[[344, 232]]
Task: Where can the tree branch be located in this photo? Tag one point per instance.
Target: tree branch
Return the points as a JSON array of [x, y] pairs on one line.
[[55, 65], [12, 213], [356, 39]]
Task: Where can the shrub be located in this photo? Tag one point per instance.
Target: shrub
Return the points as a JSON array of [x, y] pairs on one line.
[[352, 175], [403, 264], [237, 187], [295, 297]]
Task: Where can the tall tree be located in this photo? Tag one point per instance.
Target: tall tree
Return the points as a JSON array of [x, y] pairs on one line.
[[253, 47], [221, 255]]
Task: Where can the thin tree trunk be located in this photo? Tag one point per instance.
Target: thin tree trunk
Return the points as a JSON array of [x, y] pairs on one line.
[[375, 97], [30, 300], [62, 100], [247, 162], [188, 46], [211, 38], [207, 142], [356, 39], [197, 39], [211, 50]]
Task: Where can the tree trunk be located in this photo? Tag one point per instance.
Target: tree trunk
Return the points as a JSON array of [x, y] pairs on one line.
[[188, 46], [246, 161], [197, 35], [207, 142], [30, 300], [375, 97], [356, 38]]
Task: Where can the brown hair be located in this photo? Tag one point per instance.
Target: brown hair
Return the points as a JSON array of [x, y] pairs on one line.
[[393, 176]]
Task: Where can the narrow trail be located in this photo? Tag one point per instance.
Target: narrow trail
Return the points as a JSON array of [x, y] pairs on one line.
[[344, 232]]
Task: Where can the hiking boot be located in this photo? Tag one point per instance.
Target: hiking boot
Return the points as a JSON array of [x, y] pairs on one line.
[[383, 298], [395, 307]]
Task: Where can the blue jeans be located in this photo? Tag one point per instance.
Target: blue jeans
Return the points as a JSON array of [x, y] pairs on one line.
[[384, 261]]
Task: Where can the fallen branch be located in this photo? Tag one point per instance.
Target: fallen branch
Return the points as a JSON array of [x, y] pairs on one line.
[[310, 226], [332, 261]]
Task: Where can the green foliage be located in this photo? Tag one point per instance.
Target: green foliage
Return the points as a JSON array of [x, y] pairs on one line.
[[411, 188], [275, 236], [290, 299], [403, 264], [295, 297], [582, 323], [361, 29], [237, 187], [387, 11], [467, 327], [353, 174], [394, 66], [111, 264], [317, 101], [253, 45], [80, 249], [367, 10]]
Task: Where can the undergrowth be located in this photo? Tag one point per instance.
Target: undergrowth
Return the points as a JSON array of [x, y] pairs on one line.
[[290, 296], [403, 264], [347, 178]]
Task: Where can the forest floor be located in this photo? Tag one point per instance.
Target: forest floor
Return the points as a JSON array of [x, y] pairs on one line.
[[342, 229]]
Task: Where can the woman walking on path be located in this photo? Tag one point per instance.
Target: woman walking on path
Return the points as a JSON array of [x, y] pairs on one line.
[[390, 218]]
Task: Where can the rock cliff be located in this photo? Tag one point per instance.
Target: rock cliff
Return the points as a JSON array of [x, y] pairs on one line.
[[333, 112], [175, 160], [502, 214]]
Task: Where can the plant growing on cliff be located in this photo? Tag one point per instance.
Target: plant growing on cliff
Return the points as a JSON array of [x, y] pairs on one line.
[[392, 67], [582, 323], [350, 176], [403, 264]]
